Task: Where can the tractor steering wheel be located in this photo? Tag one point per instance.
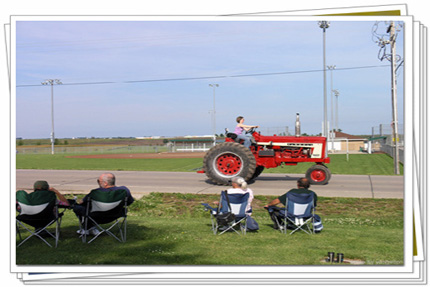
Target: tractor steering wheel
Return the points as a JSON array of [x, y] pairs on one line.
[[250, 131]]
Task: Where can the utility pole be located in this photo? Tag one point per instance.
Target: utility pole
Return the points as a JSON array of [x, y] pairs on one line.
[[393, 58], [52, 82], [392, 30], [214, 112], [324, 25]]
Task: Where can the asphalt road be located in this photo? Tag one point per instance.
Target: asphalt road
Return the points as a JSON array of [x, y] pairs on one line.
[[144, 182]]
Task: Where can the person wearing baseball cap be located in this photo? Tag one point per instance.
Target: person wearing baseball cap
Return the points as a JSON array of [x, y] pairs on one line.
[[41, 189], [43, 185]]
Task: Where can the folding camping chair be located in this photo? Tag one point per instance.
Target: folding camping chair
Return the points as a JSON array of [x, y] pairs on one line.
[[106, 207], [38, 209], [298, 213], [229, 213]]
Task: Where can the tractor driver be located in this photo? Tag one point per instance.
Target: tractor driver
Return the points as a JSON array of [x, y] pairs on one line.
[[241, 129]]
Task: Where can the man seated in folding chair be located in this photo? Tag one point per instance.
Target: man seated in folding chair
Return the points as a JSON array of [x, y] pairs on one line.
[[298, 213], [234, 209], [103, 205], [39, 209]]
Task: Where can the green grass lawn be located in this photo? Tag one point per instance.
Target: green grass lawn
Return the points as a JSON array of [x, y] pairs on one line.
[[374, 164], [173, 229]]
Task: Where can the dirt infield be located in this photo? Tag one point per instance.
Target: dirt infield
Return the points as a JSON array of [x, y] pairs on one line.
[[145, 155]]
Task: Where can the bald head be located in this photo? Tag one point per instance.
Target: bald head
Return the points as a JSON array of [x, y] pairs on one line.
[[106, 180]]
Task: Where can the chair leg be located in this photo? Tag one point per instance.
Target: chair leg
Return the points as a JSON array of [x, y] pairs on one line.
[[229, 227], [123, 230], [57, 231], [313, 224], [35, 234], [280, 225], [95, 226], [18, 231], [300, 225], [245, 227], [84, 230], [214, 225], [224, 230], [117, 223], [232, 227], [107, 230], [28, 237]]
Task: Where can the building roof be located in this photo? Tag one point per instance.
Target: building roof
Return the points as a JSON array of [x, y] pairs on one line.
[[347, 136]]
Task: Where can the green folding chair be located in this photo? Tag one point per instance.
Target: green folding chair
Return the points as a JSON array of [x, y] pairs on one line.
[[106, 208], [39, 210]]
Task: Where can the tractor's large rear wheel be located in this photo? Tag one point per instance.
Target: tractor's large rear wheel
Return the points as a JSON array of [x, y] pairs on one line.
[[318, 174], [227, 160], [258, 171]]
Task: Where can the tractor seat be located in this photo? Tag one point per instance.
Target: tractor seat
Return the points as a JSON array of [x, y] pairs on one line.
[[233, 136]]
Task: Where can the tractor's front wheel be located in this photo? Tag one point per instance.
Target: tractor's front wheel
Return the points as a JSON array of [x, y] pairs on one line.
[[318, 174], [227, 160]]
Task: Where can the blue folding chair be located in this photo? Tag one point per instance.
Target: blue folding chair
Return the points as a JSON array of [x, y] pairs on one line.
[[298, 214], [221, 216]]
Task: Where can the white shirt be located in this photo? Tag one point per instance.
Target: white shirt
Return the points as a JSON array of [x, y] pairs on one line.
[[241, 191]]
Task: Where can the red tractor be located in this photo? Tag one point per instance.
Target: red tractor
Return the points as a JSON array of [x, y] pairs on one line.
[[230, 158]]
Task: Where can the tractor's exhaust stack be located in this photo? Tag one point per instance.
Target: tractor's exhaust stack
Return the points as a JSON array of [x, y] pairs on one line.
[[297, 125]]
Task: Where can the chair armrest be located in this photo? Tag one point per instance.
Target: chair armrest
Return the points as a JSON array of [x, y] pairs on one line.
[[208, 207], [274, 208]]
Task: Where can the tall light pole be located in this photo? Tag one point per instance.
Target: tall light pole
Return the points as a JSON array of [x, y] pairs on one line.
[[214, 86], [52, 82], [331, 134], [324, 25], [336, 93], [331, 68]]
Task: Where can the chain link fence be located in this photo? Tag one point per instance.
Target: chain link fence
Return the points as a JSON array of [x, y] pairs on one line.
[[387, 131], [190, 147], [384, 141], [109, 149]]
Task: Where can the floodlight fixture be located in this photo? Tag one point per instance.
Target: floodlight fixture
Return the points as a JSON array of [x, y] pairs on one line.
[[324, 24]]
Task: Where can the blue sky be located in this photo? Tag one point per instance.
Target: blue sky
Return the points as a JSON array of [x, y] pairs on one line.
[[267, 71]]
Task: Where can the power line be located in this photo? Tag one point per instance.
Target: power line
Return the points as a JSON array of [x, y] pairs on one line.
[[208, 77], [69, 84], [142, 38]]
